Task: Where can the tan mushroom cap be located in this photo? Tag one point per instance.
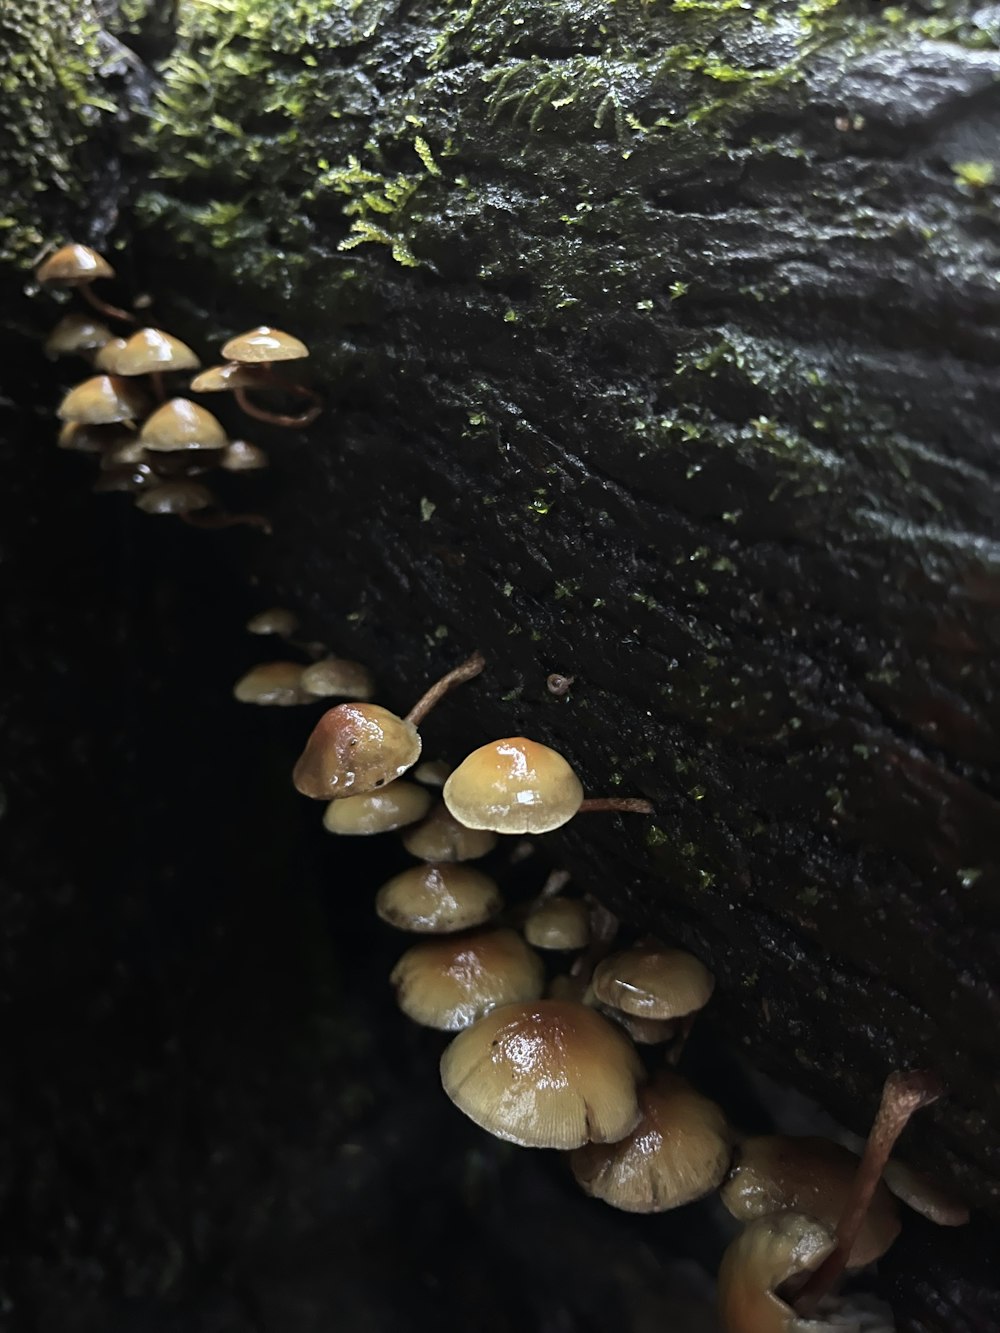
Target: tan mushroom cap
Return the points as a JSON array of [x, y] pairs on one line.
[[77, 333], [433, 772], [643, 1031], [87, 439], [355, 748], [181, 424], [277, 683], [224, 379], [109, 355], [558, 923], [774, 1173], [242, 456], [442, 838], [336, 677], [769, 1252], [175, 497], [513, 786], [548, 1074], [128, 450], [73, 266], [438, 900], [650, 981], [392, 807], [150, 350], [450, 983], [273, 620], [678, 1152], [264, 344], [925, 1196], [103, 400]]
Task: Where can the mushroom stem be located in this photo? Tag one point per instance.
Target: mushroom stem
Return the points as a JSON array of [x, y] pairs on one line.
[[305, 418], [684, 1029], [603, 931], [903, 1094], [626, 805], [159, 386], [111, 311], [210, 521], [465, 671]]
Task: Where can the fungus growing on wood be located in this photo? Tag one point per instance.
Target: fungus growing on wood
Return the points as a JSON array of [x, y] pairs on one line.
[[432, 772], [438, 899], [442, 838], [451, 983], [925, 1196], [770, 1252], [77, 335], [86, 439], [393, 807], [108, 356], [256, 353], [275, 683], [226, 379], [181, 424], [76, 267], [547, 1074], [336, 677], [152, 352], [650, 981], [241, 456], [558, 923], [104, 400]]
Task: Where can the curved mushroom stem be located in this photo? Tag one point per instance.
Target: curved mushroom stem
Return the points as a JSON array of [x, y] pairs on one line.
[[465, 671], [111, 311], [201, 519], [625, 805], [305, 418], [903, 1094]]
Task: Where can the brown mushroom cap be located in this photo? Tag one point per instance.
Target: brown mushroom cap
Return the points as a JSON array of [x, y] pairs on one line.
[[678, 1152], [650, 981], [224, 379], [85, 439], [774, 1173], [77, 333], [277, 683], [558, 923], [109, 355], [438, 900], [548, 1074], [181, 424], [242, 456], [103, 400], [175, 497], [392, 807], [925, 1196], [765, 1255], [264, 344], [442, 838], [73, 266], [355, 748], [513, 786], [336, 677], [150, 350], [450, 983]]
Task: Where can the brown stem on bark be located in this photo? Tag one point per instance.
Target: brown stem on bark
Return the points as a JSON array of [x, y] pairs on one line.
[[469, 668], [110, 311], [624, 805], [305, 418]]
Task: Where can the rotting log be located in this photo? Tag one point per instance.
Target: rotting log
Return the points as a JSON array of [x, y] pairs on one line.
[[660, 348]]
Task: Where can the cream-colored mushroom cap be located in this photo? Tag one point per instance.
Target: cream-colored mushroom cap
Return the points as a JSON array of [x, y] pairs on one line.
[[925, 1196], [678, 1152], [73, 266], [513, 786], [175, 497], [355, 748], [392, 807], [150, 350], [223, 379], [264, 344], [77, 333], [654, 982], [438, 899], [277, 683], [558, 923], [181, 424], [242, 456], [103, 400], [774, 1173], [336, 677], [549, 1074], [452, 982], [275, 620], [442, 838], [109, 354], [768, 1253]]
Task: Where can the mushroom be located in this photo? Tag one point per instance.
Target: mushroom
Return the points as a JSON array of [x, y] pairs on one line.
[[451, 983], [77, 266], [545, 1074], [520, 786], [257, 351], [432, 772], [181, 424], [108, 356], [337, 677], [278, 683], [77, 334], [925, 1196], [558, 923], [175, 497], [442, 838], [395, 806], [767, 1254], [678, 1152], [226, 379], [153, 352], [438, 900], [86, 439], [275, 620], [650, 981], [241, 456], [104, 400]]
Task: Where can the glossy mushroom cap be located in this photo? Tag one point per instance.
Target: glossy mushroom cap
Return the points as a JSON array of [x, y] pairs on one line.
[[241, 456], [275, 620], [774, 1173], [653, 982], [150, 350], [769, 1252], [224, 379], [451, 983], [181, 424], [109, 354], [175, 497], [77, 334], [678, 1152], [643, 1031], [393, 807], [558, 923], [549, 1074], [442, 838], [73, 266], [513, 786], [439, 899], [277, 683], [103, 400], [264, 344], [336, 677], [355, 748]]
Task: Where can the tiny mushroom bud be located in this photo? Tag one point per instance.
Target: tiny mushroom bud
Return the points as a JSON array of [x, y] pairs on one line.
[[452, 982], [241, 456], [175, 497], [127, 451], [392, 807], [513, 786], [355, 748], [103, 401], [558, 923], [337, 677], [264, 345], [678, 1152], [277, 683], [547, 1074], [650, 981], [76, 335], [181, 424], [442, 838], [149, 351], [275, 620], [768, 1253], [438, 899]]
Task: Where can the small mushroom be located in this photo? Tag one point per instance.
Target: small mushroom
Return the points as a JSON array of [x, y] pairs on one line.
[[274, 683], [545, 1074], [226, 379], [152, 352], [108, 356], [77, 334], [86, 439], [393, 807], [650, 981], [925, 1196], [77, 266], [241, 456], [767, 1254], [678, 1152], [432, 772], [275, 620], [336, 677], [181, 424], [450, 983], [175, 497], [104, 400], [258, 351], [558, 923], [438, 900], [126, 453], [442, 838], [263, 346]]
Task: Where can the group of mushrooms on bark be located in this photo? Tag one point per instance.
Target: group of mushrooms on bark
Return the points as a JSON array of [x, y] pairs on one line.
[[543, 1057]]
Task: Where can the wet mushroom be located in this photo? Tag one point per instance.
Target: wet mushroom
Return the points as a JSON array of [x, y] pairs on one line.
[[336, 677], [226, 379], [75, 267], [104, 400], [180, 424], [392, 807], [451, 983], [272, 683], [652, 981], [87, 439], [925, 1196], [175, 497], [257, 352], [241, 456], [442, 838], [152, 352], [77, 334], [558, 923], [438, 900], [106, 358], [770, 1252]]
